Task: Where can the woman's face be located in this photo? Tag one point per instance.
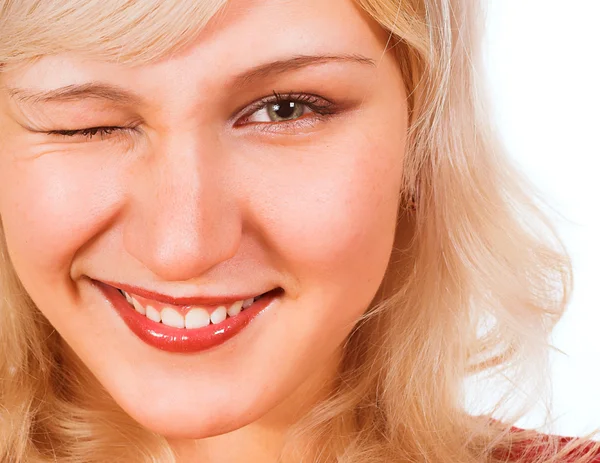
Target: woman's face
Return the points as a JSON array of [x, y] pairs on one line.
[[198, 195]]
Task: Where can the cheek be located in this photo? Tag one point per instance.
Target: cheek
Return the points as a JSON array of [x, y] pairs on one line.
[[51, 205], [333, 219]]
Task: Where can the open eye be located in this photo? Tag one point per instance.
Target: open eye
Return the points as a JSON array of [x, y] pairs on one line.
[[287, 108]]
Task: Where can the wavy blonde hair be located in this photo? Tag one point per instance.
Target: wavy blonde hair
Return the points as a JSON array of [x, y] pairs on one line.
[[477, 278]]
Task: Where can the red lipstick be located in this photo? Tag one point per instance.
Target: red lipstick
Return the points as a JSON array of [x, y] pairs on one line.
[[182, 340], [179, 301]]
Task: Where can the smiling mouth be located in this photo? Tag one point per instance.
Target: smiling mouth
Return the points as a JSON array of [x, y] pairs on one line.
[[180, 326], [188, 317]]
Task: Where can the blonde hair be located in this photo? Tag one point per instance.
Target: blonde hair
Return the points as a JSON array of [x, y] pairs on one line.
[[477, 279]]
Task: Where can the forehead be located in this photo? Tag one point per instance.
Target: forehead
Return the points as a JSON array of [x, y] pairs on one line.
[[248, 31], [274, 22], [242, 35]]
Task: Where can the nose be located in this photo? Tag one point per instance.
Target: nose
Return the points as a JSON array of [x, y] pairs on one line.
[[182, 218]]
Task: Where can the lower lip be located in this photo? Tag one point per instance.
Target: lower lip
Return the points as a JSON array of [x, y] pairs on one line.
[[182, 340]]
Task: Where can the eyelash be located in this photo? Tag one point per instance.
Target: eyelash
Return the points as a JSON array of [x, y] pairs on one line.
[[320, 107]]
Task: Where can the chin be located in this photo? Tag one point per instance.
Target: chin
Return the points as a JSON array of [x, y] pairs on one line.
[[177, 427], [175, 417], [186, 423]]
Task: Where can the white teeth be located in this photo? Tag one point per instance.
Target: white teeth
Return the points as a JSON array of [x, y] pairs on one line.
[[153, 314], [137, 306], [171, 317], [197, 318], [235, 308], [218, 315]]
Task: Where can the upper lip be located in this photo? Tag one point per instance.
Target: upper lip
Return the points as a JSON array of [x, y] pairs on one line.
[[182, 301]]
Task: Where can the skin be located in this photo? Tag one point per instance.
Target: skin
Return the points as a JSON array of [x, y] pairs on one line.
[[194, 203]]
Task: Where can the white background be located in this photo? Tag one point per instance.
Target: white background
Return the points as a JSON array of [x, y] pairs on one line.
[[543, 61]]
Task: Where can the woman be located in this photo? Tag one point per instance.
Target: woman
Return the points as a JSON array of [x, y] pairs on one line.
[[260, 231]]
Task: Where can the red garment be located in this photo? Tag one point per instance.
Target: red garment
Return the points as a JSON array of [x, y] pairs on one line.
[[530, 450]]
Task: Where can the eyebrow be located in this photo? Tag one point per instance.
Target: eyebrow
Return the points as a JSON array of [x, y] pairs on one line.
[[91, 90], [109, 92]]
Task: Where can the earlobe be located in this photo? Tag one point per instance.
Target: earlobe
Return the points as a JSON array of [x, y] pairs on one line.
[[408, 202], [412, 203]]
